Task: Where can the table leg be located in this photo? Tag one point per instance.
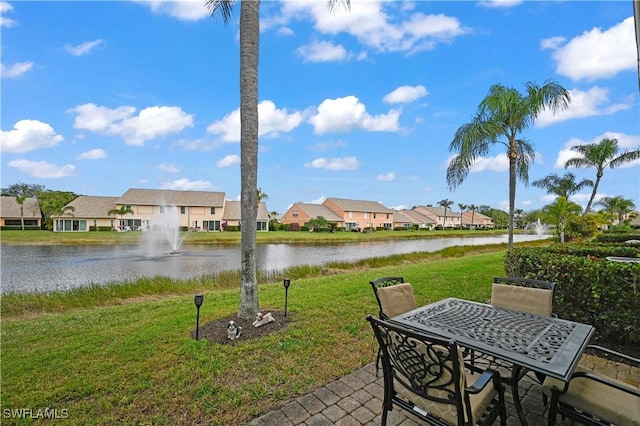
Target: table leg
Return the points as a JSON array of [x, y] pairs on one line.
[[517, 372]]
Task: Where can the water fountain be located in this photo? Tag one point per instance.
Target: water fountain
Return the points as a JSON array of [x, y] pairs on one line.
[[540, 228], [163, 232]]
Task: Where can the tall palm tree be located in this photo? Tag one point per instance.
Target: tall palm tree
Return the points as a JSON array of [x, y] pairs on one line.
[[249, 52], [462, 208], [617, 207], [564, 186], [600, 155], [504, 113], [20, 199], [446, 203]]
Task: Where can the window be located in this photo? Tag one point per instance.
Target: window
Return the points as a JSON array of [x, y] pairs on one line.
[[161, 209], [183, 209], [213, 210], [295, 213], [262, 226], [366, 215]]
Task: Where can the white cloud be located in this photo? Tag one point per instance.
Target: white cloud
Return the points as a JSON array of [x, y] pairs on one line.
[[4, 21], [387, 177], [15, 70], [185, 10], [272, 122], [285, 31], [625, 142], [405, 94], [185, 184], [168, 168], [345, 163], [228, 161], [348, 113], [149, 124], [499, 163], [322, 51], [42, 169], [28, 135], [500, 3], [93, 154], [596, 54], [372, 22], [593, 102], [82, 48]]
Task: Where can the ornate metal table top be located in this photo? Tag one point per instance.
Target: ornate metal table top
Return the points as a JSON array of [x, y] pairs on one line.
[[548, 345]]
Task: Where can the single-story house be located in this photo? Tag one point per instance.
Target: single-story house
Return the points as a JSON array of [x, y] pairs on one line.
[[232, 215], [13, 215]]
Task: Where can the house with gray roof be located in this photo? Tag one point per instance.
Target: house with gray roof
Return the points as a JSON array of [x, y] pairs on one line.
[[153, 209], [360, 214], [422, 221], [13, 215], [233, 214]]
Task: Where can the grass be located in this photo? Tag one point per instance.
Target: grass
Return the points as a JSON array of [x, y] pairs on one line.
[[89, 238], [124, 354]]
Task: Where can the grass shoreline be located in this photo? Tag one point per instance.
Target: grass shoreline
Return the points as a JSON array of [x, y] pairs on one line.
[[130, 358]]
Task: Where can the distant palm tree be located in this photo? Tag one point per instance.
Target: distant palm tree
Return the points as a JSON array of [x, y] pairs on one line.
[[249, 52], [462, 208], [446, 203], [504, 113], [473, 209], [121, 211], [617, 207], [560, 213], [600, 155], [564, 186], [20, 199]]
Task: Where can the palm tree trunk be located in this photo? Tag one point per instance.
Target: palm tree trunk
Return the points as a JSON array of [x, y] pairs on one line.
[[512, 195], [249, 49], [593, 193]]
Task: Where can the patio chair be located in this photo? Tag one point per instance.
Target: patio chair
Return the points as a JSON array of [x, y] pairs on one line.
[[593, 399], [519, 294], [386, 282], [425, 376], [523, 294]]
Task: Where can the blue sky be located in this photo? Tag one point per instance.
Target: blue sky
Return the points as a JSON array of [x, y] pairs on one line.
[[100, 97]]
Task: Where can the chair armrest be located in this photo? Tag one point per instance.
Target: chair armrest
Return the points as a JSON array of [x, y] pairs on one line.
[[628, 358], [607, 381], [486, 377]]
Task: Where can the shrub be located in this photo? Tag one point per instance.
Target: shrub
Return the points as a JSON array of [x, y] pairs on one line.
[[590, 290]]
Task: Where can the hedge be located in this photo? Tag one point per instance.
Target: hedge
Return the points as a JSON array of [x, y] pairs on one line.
[[591, 289]]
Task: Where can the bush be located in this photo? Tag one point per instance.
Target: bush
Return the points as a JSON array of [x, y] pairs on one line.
[[590, 290]]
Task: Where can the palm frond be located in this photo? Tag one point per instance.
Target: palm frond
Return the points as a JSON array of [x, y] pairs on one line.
[[220, 7]]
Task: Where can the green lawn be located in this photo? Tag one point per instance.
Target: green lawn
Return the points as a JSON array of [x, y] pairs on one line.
[[79, 238], [133, 361]]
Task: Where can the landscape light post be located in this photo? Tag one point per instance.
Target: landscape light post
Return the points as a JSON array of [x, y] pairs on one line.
[[198, 299], [286, 283]]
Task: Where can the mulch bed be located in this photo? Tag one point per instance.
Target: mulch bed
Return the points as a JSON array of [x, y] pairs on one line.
[[216, 331]]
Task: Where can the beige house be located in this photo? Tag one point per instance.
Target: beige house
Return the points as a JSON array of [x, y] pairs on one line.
[[302, 213], [359, 214], [471, 220], [12, 214], [86, 212], [422, 221], [150, 209], [232, 215]]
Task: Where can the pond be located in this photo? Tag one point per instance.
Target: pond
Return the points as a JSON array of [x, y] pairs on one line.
[[48, 268]]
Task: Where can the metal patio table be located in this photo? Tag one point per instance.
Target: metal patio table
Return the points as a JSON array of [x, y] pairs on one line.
[[545, 345]]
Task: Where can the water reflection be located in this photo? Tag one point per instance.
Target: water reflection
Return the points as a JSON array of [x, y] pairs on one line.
[[47, 268]]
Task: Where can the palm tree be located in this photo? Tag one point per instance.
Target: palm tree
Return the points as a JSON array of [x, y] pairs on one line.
[[560, 213], [20, 199], [600, 155], [56, 208], [446, 203], [462, 208], [504, 112], [473, 209], [121, 211], [564, 186], [249, 52], [617, 207]]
